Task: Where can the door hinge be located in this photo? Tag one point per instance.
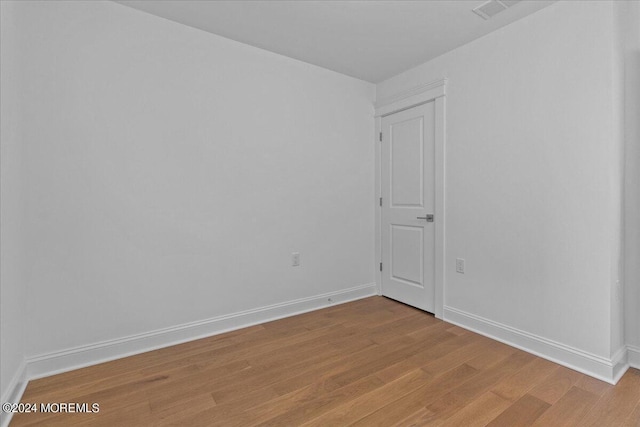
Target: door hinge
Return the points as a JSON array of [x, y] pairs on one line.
[[380, 266], [380, 201], [380, 136]]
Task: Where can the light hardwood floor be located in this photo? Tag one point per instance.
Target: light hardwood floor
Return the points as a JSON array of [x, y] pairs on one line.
[[372, 362]]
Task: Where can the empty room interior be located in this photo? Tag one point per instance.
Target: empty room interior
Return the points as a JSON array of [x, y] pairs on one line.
[[327, 213]]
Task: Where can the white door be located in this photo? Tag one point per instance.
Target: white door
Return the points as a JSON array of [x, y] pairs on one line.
[[408, 205]]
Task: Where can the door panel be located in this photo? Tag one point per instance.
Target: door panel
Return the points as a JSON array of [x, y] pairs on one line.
[[408, 193], [406, 254], [406, 163]]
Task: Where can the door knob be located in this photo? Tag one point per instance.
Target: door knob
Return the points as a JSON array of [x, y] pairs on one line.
[[428, 217]]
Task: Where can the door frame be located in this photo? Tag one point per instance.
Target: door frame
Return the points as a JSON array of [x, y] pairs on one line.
[[433, 91]]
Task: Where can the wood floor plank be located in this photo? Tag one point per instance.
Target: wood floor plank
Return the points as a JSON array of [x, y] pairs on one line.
[[419, 418], [443, 350], [460, 350], [406, 325], [181, 407], [399, 408], [352, 411], [443, 345], [384, 359], [496, 351], [455, 400], [371, 362], [518, 384], [633, 420], [569, 410], [556, 385], [593, 385], [319, 404], [617, 403], [522, 413], [352, 354], [225, 413], [271, 370], [204, 382], [479, 412], [457, 330]]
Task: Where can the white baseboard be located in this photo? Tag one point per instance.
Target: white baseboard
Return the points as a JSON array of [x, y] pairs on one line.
[[74, 358], [14, 392], [620, 362], [633, 355], [609, 370]]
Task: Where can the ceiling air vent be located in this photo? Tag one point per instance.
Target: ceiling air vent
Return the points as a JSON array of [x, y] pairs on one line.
[[493, 7]]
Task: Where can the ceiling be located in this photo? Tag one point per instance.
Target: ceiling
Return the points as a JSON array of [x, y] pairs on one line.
[[369, 40]]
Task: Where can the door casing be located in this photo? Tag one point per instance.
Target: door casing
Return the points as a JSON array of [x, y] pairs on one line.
[[436, 92]]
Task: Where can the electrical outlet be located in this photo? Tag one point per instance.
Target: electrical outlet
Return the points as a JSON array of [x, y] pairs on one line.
[[459, 265], [295, 259]]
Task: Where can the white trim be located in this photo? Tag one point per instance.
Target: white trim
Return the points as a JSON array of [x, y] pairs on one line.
[[609, 370], [440, 214], [434, 91], [633, 355], [14, 392], [410, 98], [619, 360], [378, 209], [78, 357]]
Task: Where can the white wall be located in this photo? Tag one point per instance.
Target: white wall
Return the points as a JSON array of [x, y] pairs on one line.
[[533, 189], [172, 172], [13, 296], [632, 177]]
